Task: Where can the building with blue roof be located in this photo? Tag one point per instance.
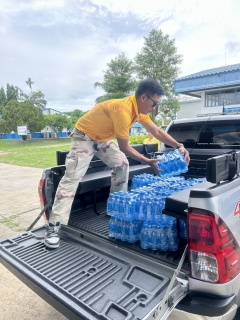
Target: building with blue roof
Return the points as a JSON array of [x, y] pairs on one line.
[[138, 129], [210, 91], [48, 130]]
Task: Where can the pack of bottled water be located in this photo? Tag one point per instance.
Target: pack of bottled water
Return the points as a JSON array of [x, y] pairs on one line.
[[183, 228], [172, 163], [137, 215]]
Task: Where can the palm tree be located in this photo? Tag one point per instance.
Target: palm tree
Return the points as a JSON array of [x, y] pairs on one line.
[[30, 82], [36, 97]]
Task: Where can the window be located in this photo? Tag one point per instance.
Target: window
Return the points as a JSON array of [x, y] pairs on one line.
[[227, 97], [220, 97], [238, 96], [219, 134], [186, 133], [212, 99]]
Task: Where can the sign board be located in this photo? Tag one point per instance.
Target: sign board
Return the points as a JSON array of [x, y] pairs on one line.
[[22, 130]]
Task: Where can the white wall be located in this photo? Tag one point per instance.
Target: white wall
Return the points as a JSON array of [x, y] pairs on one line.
[[189, 108], [51, 111], [49, 129]]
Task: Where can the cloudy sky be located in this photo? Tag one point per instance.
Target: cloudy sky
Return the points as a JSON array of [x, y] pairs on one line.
[[64, 45]]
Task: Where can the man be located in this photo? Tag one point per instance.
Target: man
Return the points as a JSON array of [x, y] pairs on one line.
[[151, 139], [93, 134]]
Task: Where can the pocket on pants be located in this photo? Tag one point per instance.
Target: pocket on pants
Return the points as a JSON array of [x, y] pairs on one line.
[[71, 165]]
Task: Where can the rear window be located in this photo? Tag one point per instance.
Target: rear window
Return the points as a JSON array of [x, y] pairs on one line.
[[220, 134]]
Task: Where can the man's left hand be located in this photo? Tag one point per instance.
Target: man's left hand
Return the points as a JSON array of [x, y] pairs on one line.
[[185, 153]]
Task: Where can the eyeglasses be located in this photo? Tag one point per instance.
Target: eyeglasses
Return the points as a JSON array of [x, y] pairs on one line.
[[155, 103]]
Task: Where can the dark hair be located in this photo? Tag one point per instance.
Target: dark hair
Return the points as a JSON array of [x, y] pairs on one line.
[[149, 86]]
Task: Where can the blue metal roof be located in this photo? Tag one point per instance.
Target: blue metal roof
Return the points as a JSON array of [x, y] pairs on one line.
[[212, 71], [207, 79], [137, 125]]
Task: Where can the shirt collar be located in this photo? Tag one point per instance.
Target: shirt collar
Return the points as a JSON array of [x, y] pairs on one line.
[[135, 106]]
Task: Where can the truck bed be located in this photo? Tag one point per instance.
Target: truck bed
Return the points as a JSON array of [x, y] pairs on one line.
[[97, 225], [90, 276]]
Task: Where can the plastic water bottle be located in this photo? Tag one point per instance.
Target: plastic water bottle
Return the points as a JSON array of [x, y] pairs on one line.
[[172, 235], [128, 208], [111, 228], [149, 209], [141, 209], [177, 164], [125, 228], [132, 231], [110, 203], [130, 223], [153, 243], [116, 205], [157, 210], [125, 218], [162, 165], [162, 236], [121, 206], [183, 228], [139, 225], [182, 163], [118, 228], [171, 165], [144, 236], [134, 214]]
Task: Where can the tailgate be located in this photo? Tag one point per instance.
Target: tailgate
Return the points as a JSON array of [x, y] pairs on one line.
[[90, 278]]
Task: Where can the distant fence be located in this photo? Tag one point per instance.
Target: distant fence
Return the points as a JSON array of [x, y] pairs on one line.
[[35, 135]]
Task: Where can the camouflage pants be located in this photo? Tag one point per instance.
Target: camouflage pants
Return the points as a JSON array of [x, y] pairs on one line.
[[77, 163]]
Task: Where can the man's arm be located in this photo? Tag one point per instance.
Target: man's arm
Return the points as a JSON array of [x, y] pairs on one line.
[[165, 138]]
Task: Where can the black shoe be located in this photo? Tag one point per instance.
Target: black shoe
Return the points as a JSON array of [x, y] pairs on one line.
[[51, 239]]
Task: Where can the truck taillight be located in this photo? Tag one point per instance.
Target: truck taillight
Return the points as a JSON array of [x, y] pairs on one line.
[[214, 252], [42, 197]]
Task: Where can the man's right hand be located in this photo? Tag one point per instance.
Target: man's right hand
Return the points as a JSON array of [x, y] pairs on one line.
[[153, 163]]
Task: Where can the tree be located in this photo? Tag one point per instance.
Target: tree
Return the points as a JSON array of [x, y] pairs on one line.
[[36, 97], [21, 113], [15, 93], [11, 92], [118, 81], [75, 114], [29, 82], [158, 59], [3, 99], [57, 122], [169, 108]]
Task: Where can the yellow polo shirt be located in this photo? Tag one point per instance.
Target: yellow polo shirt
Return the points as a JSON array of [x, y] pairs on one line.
[[111, 119]]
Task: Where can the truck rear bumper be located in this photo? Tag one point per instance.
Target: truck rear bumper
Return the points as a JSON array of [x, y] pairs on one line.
[[223, 309], [180, 314]]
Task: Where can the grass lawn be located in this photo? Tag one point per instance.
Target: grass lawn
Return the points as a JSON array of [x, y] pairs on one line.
[[37, 153]]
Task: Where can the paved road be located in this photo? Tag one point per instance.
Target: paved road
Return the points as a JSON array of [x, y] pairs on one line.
[[19, 208]]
